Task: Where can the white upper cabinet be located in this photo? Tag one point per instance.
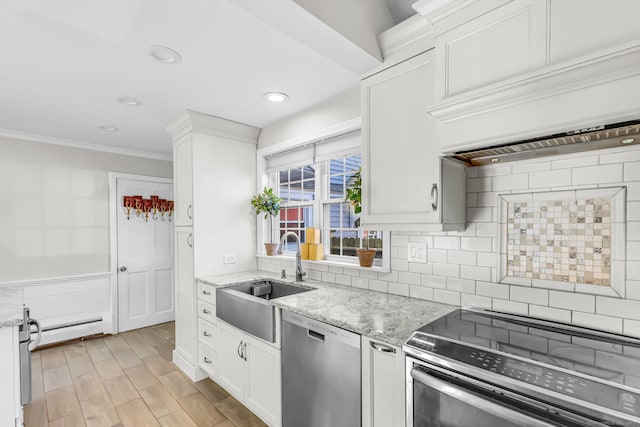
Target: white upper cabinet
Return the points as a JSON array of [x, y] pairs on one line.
[[183, 172], [502, 43], [579, 27], [405, 184]]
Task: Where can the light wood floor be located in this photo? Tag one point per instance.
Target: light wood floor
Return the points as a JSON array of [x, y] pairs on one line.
[[126, 380]]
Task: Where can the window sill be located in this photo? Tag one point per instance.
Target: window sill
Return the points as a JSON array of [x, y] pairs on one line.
[[355, 266]]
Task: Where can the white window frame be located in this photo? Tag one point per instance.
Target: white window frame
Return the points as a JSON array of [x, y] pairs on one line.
[[272, 179]]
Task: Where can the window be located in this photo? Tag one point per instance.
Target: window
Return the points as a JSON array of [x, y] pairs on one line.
[[313, 195]]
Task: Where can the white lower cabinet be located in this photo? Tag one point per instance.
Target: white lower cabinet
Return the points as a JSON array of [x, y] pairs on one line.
[[383, 384], [250, 370], [10, 408]]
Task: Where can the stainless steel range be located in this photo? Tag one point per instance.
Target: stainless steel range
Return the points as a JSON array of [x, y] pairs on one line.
[[482, 368]]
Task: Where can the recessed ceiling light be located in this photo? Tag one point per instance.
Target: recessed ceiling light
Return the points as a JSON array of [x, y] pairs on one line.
[[628, 141], [165, 55], [495, 160], [108, 128], [127, 100], [276, 96]]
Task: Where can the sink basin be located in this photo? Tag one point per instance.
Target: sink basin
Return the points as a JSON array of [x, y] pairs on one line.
[[246, 305]]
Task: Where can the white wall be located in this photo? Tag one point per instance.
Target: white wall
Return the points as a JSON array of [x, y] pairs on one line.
[[303, 126], [462, 267], [54, 208]]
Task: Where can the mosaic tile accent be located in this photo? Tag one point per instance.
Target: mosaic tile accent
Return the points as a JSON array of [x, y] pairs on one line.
[[560, 240]]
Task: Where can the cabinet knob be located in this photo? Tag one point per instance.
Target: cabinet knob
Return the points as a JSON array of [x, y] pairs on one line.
[[205, 311], [207, 360], [206, 334], [206, 292]]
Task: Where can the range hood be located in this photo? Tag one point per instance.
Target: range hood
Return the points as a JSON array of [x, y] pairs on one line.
[[593, 138]]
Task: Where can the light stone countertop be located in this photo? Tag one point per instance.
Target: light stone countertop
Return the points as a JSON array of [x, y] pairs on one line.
[[11, 303], [386, 317]]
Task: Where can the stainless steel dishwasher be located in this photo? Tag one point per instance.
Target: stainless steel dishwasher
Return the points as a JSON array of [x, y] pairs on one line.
[[320, 374]]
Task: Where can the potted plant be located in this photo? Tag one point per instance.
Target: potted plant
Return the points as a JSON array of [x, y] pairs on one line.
[[269, 204], [354, 195]]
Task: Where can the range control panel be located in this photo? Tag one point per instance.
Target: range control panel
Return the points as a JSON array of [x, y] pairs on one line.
[[578, 387]]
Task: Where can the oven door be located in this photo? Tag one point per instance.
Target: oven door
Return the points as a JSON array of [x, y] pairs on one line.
[[437, 400]]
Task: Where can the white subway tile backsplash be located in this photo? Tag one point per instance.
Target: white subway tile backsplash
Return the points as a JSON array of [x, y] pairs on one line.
[[399, 289], [529, 295], [446, 297], [476, 301], [556, 314], [336, 269], [477, 185], [494, 290], [633, 230], [479, 214], [369, 274], [461, 285], [493, 170], [631, 327], [487, 199], [480, 244], [389, 277], [487, 259], [633, 190], [360, 282], [418, 267], [486, 229], [449, 270], [511, 182], [409, 278], [342, 279], [518, 168], [437, 255], [399, 240], [446, 242], [621, 156], [597, 174], [461, 257], [378, 285], [472, 200], [597, 321], [576, 162], [398, 264], [475, 273], [618, 307], [633, 270], [633, 211], [550, 179], [421, 292], [328, 277], [632, 171], [633, 251], [633, 289], [436, 282], [572, 301], [510, 306]]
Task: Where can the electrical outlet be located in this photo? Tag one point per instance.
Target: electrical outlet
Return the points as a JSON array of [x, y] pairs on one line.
[[417, 252], [229, 259]]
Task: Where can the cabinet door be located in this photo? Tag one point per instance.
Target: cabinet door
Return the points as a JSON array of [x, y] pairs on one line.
[[232, 365], [400, 147], [184, 260], [383, 391], [10, 408], [185, 327], [183, 178], [263, 386]]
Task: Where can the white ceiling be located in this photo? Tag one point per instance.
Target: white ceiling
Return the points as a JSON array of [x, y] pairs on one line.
[[64, 63]]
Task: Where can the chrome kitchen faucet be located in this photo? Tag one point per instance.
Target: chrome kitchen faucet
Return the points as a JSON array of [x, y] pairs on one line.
[[299, 272]]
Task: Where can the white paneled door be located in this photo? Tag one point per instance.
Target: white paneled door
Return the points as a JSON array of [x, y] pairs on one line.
[[145, 258]]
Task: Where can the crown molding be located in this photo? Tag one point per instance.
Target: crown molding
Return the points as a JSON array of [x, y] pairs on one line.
[[84, 145], [437, 10], [190, 121]]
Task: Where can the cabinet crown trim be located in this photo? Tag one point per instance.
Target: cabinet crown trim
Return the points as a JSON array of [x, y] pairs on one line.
[[190, 121], [437, 10]]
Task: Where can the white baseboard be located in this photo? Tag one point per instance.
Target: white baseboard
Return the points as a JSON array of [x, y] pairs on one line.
[[193, 372]]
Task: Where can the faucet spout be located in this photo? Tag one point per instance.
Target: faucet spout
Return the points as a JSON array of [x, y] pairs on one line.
[[299, 272]]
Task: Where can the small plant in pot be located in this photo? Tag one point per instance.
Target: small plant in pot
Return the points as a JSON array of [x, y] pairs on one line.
[[354, 195], [267, 203]]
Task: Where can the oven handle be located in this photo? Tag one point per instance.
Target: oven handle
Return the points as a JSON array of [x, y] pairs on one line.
[[457, 393]]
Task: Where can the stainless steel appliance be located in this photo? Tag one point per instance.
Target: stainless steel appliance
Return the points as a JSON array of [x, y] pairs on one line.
[[482, 368], [24, 337], [320, 374]]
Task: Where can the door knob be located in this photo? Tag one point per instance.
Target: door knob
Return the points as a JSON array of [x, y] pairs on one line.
[[123, 268]]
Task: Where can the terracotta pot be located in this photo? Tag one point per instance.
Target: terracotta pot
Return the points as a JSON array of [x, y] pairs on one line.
[[366, 256], [271, 248]]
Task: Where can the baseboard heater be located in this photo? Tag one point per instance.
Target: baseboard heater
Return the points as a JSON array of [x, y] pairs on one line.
[[69, 324], [72, 329]]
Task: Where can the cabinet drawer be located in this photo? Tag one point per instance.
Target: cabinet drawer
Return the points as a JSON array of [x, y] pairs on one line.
[[207, 360], [207, 333], [206, 311], [207, 293]]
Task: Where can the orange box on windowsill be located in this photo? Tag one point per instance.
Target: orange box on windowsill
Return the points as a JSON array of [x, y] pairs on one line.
[[304, 250], [315, 251], [312, 235]]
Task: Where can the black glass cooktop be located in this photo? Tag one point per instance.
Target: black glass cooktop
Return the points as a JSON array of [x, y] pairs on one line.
[[600, 368]]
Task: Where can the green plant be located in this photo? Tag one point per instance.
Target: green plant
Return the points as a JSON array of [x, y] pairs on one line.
[[354, 191], [266, 202]]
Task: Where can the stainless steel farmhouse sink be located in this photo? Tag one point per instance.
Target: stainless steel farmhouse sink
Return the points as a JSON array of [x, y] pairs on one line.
[[246, 305]]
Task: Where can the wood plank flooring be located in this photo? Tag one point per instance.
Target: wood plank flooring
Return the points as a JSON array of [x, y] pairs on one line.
[[126, 380]]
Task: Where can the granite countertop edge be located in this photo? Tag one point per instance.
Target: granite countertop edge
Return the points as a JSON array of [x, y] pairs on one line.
[[11, 305], [377, 315]]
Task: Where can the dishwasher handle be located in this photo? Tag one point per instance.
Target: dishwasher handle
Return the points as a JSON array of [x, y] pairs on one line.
[[315, 335]]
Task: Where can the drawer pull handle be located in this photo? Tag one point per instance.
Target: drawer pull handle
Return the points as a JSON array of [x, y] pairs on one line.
[[205, 311], [206, 334], [205, 292], [381, 347], [207, 360]]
